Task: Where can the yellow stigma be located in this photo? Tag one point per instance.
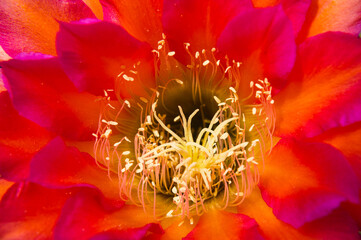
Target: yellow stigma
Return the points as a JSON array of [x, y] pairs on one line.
[[176, 167]]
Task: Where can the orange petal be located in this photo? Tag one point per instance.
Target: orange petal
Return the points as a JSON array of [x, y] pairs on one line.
[[330, 15], [216, 225], [324, 92], [141, 18], [3, 56], [255, 207], [31, 26], [96, 7], [4, 186]]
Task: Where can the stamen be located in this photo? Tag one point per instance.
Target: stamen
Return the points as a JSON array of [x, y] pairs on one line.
[[217, 161]]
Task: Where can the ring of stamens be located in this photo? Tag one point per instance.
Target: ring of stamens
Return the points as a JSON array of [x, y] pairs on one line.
[[219, 162]]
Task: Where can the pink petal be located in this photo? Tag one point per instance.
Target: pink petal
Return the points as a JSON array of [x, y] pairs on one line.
[[94, 53], [20, 140], [141, 18], [328, 15], [295, 10], [31, 26], [197, 22], [87, 214], [324, 92], [264, 44], [57, 165], [41, 92], [304, 181]]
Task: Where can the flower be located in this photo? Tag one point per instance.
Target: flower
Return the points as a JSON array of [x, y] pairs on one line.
[[188, 119]]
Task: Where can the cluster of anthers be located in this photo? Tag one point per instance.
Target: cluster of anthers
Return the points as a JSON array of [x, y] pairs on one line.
[[217, 164]]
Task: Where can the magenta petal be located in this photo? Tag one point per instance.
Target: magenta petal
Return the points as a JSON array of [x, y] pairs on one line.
[[263, 40], [94, 53], [42, 93], [304, 181]]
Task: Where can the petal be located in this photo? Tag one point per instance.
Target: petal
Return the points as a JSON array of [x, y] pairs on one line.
[[29, 211], [31, 26], [4, 186], [337, 223], [141, 18], [304, 181], [57, 165], [328, 15], [41, 92], [198, 22], [94, 53], [346, 139], [176, 228], [264, 44], [324, 93], [87, 214], [224, 225], [3, 55], [96, 7], [131, 234], [295, 10], [20, 140]]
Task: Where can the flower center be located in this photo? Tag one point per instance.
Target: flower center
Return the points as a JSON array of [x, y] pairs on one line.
[[196, 145]]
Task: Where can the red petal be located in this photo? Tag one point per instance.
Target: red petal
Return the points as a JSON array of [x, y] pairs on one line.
[[141, 18], [224, 225], [295, 10], [304, 181], [86, 215], [335, 226], [94, 53], [327, 95], [198, 22], [145, 232], [57, 165], [20, 139], [29, 211], [31, 26], [327, 15], [264, 44], [41, 92]]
